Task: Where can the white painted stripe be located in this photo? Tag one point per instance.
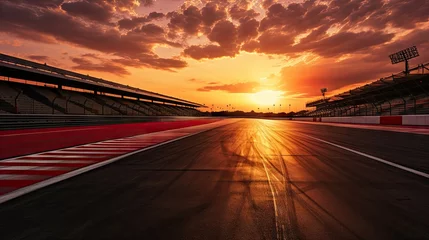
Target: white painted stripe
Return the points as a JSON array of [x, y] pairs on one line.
[[59, 157], [32, 133], [128, 141], [60, 152], [100, 149], [47, 161], [107, 144], [39, 168], [374, 158], [62, 177], [21, 177]]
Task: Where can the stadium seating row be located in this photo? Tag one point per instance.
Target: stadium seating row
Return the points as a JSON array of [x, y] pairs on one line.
[[405, 106], [30, 99]]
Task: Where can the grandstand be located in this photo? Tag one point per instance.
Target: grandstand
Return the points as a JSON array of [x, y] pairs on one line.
[[398, 94], [27, 87]]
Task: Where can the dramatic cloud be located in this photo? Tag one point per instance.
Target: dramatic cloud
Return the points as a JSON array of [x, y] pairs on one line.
[[209, 52], [211, 14], [48, 25], [91, 10], [188, 22], [346, 42], [130, 23], [237, 12], [336, 33]]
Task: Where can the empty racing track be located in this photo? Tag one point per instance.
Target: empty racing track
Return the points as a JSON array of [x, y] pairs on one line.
[[252, 179]]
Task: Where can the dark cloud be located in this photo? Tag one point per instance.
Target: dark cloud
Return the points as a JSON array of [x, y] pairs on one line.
[[244, 87], [346, 42], [275, 42], [105, 66], [92, 10], [295, 18], [211, 14], [224, 33], [130, 23], [209, 52], [39, 58], [41, 3], [48, 25], [237, 12], [315, 35], [155, 16], [189, 21], [398, 13], [247, 29], [153, 61]]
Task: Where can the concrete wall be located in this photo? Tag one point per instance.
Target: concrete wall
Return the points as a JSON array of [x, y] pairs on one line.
[[413, 120], [417, 120]]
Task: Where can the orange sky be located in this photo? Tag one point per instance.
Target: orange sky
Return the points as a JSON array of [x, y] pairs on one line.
[[250, 54]]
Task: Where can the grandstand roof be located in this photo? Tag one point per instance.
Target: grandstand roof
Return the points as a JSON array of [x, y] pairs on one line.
[[396, 86], [28, 70]]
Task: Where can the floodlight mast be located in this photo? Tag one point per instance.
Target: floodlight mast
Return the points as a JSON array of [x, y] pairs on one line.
[[404, 56], [323, 90]]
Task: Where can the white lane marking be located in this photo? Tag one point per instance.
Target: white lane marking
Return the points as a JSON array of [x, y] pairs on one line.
[[129, 141], [59, 157], [102, 149], [21, 177], [374, 158], [62, 177], [119, 144], [47, 161], [87, 153], [32, 133], [273, 194], [39, 168]]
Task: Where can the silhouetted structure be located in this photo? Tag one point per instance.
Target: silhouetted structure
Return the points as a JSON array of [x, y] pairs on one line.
[[66, 92], [399, 94]]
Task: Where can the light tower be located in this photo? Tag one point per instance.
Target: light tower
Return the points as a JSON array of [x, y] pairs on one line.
[[323, 91], [404, 56]]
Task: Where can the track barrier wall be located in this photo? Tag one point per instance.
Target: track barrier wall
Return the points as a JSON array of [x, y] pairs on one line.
[[24, 121], [410, 120]]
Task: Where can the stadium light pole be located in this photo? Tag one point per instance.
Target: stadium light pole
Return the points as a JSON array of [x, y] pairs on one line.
[[323, 90], [404, 56]]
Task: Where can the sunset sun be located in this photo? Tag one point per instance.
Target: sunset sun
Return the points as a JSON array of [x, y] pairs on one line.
[[266, 97]]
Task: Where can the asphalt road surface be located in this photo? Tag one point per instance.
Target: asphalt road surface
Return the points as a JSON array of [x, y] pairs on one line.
[[253, 179]]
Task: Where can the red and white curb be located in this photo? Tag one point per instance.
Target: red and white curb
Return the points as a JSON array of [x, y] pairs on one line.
[[25, 174]]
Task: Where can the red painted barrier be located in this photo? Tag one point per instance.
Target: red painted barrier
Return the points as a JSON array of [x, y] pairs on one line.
[[391, 120], [23, 142]]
